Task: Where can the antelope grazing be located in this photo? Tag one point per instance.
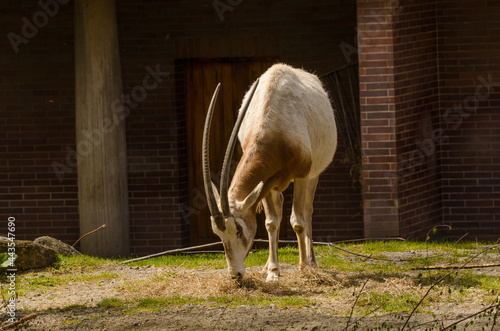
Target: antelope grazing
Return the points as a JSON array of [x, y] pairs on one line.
[[287, 130]]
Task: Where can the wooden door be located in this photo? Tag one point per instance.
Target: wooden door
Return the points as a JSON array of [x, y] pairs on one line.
[[202, 76]]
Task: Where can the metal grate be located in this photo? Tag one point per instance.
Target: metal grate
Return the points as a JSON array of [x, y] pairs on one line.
[[342, 85]]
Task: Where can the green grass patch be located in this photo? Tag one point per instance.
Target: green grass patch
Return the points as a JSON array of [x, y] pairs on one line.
[[157, 304], [44, 282], [229, 301], [387, 302], [72, 321], [41, 281], [459, 279], [374, 254], [74, 263], [353, 270], [217, 261], [111, 303], [176, 300], [325, 256], [105, 275], [379, 247], [285, 254], [462, 279], [194, 261], [260, 301], [75, 306]]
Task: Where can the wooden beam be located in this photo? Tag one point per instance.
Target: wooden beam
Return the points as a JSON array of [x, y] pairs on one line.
[[100, 130]]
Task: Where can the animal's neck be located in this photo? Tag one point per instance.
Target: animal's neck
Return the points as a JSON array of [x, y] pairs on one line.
[[251, 170]]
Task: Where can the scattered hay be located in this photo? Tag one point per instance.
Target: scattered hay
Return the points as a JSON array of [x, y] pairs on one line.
[[216, 283]]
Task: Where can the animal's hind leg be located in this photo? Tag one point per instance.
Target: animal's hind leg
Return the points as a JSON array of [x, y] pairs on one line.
[[311, 190], [303, 197], [273, 206]]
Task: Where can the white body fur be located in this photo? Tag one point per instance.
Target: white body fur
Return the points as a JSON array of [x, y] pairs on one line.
[[299, 108], [288, 135]]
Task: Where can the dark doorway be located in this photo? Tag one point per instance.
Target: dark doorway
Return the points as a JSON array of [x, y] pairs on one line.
[[202, 76]]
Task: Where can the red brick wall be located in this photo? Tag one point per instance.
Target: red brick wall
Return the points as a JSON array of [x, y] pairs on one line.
[[417, 117], [305, 35], [378, 122], [37, 121], [37, 108], [429, 98], [469, 59]]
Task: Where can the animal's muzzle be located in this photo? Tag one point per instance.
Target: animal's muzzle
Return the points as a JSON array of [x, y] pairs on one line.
[[236, 274]]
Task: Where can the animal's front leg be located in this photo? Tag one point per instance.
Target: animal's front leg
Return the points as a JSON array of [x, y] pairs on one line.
[[298, 226], [273, 206]]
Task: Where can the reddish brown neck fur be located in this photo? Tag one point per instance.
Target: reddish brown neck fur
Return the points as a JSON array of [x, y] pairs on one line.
[[276, 165]]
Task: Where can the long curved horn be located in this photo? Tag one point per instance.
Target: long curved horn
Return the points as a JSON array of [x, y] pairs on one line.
[[207, 180], [224, 184]]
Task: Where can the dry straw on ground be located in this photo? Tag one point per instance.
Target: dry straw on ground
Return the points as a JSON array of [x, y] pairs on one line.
[[216, 283]]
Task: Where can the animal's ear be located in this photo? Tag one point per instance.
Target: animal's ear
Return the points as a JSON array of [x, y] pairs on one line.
[[251, 199]]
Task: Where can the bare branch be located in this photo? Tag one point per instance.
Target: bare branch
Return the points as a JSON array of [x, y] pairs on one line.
[[360, 255], [101, 227], [497, 306], [438, 267], [440, 280], [20, 321], [354, 304]]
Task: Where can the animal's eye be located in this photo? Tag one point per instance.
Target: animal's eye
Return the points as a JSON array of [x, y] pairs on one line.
[[239, 230]]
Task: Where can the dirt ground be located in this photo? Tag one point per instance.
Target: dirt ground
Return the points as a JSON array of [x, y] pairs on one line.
[[195, 317], [198, 317], [74, 305]]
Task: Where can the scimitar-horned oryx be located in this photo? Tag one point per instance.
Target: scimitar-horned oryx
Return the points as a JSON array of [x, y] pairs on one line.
[[287, 131]]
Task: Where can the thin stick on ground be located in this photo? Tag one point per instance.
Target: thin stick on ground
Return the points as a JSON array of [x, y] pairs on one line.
[[101, 227], [454, 244], [497, 306], [439, 281], [354, 304], [204, 252], [222, 313], [441, 267], [194, 248], [435, 227], [356, 254], [360, 240], [323, 243], [173, 251], [495, 317], [459, 239], [20, 321]]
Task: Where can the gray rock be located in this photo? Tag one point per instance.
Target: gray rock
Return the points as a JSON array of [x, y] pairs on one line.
[[57, 246], [30, 255]]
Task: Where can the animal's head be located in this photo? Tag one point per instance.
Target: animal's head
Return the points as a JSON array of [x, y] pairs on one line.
[[233, 221]]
